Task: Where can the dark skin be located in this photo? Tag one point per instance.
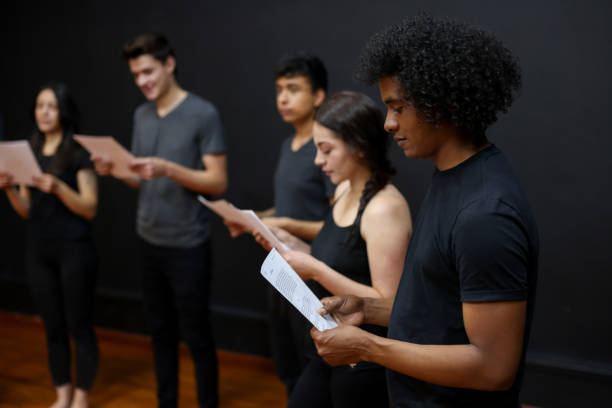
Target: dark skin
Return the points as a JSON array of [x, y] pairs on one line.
[[494, 329]]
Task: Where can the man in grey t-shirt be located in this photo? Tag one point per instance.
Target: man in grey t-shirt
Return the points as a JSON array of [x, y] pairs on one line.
[[178, 140]]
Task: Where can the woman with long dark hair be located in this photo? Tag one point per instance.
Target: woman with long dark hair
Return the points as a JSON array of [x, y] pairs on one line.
[[60, 255], [360, 249]]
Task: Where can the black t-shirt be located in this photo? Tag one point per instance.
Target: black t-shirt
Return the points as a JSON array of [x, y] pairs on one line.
[[49, 217], [474, 240], [301, 189]]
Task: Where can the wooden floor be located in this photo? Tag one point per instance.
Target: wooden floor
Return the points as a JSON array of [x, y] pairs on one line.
[[125, 378]]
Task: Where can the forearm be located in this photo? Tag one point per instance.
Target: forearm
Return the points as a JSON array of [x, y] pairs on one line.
[[377, 310], [200, 181], [304, 229], [266, 213], [463, 366], [338, 284], [20, 204], [77, 203]]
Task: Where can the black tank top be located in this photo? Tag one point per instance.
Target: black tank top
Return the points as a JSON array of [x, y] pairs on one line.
[[334, 246]]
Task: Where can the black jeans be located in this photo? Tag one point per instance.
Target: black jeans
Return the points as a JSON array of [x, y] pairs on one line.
[[62, 275], [176, 285]]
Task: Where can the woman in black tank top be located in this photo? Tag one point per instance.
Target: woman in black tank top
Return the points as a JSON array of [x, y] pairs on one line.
[[360, 249]]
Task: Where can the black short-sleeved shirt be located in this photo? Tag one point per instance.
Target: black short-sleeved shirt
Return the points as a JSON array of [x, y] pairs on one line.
[[474, 240], [301, 189], [48, 216]]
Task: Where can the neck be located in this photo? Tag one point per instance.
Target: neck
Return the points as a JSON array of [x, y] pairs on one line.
[[52, 141], [455, 150], [358, 182], [303, 128], [172, 97]]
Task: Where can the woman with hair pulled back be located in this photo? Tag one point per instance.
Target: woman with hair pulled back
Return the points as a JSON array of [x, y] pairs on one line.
[[360, 249], [61, 259]]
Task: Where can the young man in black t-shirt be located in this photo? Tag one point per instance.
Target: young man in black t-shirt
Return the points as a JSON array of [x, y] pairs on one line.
[[302, 195], [460, 320]]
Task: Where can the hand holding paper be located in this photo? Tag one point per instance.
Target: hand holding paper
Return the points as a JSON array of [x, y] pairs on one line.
[[284, 279], [108, 155], [246, 218], [17, 161]]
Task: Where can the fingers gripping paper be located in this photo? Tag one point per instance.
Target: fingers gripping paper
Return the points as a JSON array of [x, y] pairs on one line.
[[110, 149], [246, 218], [284, 279], [18, 159]]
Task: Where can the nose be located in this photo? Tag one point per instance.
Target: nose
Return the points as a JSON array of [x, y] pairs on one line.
[[282, 98], [319, 160], [391, 124], [140, 80]]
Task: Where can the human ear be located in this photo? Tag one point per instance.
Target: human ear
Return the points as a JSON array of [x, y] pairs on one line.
[[319, 97]]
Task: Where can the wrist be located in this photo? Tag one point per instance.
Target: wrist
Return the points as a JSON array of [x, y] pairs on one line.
[[168, 168]]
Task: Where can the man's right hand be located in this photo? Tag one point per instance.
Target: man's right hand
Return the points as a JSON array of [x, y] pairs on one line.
[[6, 180], [346, 309], [103, 166]]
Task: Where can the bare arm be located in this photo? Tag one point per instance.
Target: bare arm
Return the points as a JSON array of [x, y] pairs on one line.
[[212, 180], [386, 229], [303, 229], [489, 362], [19, 199], [83, 202], [104, 167]]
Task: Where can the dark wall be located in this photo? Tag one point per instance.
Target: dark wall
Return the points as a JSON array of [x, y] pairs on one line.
[[557, 135]]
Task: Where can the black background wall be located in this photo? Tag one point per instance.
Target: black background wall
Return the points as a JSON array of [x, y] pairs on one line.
[[557, 135]]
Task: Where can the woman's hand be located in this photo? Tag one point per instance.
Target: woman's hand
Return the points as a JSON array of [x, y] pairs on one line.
[[305, 265], [47, 183]]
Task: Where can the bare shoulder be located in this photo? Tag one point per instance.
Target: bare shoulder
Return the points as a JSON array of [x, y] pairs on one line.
[[388, 203]]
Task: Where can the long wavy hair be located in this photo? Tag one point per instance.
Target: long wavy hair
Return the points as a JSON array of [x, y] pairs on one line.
[[360, 124], [69, 121]]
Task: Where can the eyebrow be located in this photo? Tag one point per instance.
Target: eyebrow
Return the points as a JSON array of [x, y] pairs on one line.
[[392, 100]]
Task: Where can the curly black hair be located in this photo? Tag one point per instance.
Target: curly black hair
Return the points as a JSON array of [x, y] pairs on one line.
[[448, 71]]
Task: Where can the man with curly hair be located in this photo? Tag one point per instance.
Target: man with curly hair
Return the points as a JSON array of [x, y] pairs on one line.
[[460, 320]]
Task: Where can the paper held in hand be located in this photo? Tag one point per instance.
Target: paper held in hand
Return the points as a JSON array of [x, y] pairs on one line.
[[109, 149], [17, 159], [284, 279], [246, 218]]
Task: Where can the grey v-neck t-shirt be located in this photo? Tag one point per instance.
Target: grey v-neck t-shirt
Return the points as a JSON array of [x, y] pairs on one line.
[[168, 213]]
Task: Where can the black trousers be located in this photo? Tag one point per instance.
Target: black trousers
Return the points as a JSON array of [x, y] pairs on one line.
[[176, 286], [62, 275], [288, 331], [324, 386]]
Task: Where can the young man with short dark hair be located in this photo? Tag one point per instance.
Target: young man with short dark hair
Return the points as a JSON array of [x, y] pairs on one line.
[[302, 195], [178, 141], [460, 320]]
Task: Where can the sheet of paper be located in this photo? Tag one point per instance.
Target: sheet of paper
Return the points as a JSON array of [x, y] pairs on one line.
[[284, 279], [17, 159], [247, 218], [110, 149]]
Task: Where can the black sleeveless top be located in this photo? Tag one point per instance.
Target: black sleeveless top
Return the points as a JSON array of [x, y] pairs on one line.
[[334, 246]]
